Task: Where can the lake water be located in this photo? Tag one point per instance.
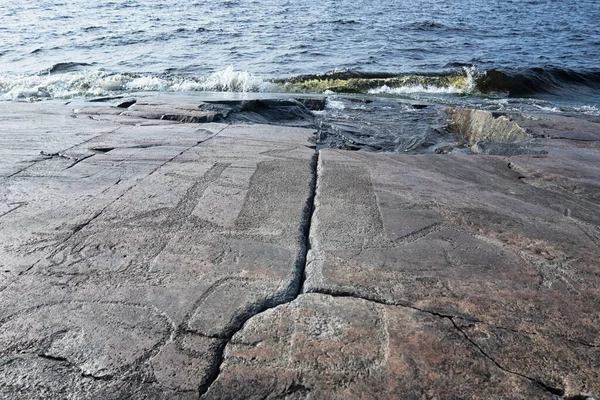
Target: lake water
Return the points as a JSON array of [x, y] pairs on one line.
[[507, 55], [531, 47]]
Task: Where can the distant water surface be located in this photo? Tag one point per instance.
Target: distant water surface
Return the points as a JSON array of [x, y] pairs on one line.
[[546, 49]]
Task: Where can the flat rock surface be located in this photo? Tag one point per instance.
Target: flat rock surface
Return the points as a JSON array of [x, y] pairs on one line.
[[439, 277], [132, 248], [507, 248], [144, 256]]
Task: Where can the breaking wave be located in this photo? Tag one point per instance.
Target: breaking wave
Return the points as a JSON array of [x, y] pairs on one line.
[[52, 84], [531, 81], [68, 80], [461, 81]]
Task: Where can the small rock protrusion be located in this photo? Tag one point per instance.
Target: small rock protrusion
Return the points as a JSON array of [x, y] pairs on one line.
[[126, 103]]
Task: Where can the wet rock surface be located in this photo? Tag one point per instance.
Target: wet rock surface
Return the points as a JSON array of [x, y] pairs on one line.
[[288, 112], [150, 257]]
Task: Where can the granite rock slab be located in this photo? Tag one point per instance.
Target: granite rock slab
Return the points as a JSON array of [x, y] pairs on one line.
[[131, 249], [506, 247], [148, 253], [439, 276], [340, 347]]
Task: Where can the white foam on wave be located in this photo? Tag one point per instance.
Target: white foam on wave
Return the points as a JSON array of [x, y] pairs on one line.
[[416, 89], [335, 104], [589, 110], [100, 83], [466, 85], [552, 109], [230, 80]]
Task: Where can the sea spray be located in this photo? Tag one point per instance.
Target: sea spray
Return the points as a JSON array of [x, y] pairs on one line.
[[89, 83], [230, 80]]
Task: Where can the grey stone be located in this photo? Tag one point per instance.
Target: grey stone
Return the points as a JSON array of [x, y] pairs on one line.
[[320, 346], [130, 253], [471, 238], [437, 277], [151, 259]]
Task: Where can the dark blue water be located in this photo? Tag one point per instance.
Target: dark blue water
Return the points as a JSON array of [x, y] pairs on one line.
[[547, 49]]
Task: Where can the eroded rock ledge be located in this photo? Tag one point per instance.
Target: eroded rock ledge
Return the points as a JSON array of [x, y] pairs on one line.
[[152, 257]]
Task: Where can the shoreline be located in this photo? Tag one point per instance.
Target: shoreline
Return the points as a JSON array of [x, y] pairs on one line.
[[170, 247]]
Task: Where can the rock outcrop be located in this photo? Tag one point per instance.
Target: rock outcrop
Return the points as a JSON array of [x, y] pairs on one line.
[[151, 257]]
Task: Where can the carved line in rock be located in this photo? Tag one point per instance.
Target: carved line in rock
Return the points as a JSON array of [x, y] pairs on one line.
[[78, 228], [422, 234], [198, 186], [415, 236], [62, 154], [184, 326], [122, 372], [562, 193], [179, 214], [347, 294], [18, 205]]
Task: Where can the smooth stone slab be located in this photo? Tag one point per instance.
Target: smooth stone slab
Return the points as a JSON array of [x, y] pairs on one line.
[[513, 261], [320, 346], [133, 252]]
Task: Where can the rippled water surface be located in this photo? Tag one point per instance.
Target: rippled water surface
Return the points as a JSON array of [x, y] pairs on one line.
[[280, 37], [181, 45]]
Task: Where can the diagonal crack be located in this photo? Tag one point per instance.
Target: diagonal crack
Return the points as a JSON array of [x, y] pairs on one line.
[[19, 205], [61, 154], [97, 214], [301, 277], [80, 160], [452, 318], [54, 358], [553, 390]]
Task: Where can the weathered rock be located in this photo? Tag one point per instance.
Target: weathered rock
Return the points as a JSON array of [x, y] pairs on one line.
[[121, 245], [505, 149], [149, 259], [256, 111], [320, 346], [469, 237], [478, 125], [556, 126]]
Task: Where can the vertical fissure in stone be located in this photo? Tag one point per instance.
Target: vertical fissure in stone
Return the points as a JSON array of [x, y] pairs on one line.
[[309, 210], [294, 289]]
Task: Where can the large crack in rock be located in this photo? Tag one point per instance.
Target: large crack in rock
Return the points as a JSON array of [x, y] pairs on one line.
[[185, 219], [279, 272], [486, 257], [345, 347], [255, 307]]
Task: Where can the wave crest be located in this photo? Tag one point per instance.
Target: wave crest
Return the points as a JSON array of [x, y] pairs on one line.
[[99, 83], [458, 82], [67, 80], [543, 80]]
